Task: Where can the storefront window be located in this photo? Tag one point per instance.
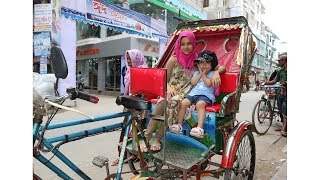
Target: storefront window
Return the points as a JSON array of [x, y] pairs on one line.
[[111, 32], [85, 31]]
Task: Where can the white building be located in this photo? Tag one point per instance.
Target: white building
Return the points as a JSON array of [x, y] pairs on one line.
[[253, 11]]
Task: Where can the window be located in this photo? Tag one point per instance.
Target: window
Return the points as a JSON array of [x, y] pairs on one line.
[[85, 31], [206, 3], [219, 15], [111, 32], [224, 2], [270, 39]]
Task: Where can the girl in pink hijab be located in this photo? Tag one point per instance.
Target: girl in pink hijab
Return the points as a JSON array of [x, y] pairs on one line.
[[134, 58], [180, 68]]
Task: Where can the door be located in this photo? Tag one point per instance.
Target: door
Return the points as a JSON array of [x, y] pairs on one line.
[[113, 65], [93, 73]]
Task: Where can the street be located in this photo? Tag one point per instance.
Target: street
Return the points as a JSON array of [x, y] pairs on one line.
[[270, 150]]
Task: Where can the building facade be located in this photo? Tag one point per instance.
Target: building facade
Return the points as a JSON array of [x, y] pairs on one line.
[[253, 10], [272, 51]]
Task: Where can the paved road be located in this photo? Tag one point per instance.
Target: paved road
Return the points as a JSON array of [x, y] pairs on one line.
[[82, 152]]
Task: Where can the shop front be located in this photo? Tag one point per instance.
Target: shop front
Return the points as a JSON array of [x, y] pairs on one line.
[[101, 63]]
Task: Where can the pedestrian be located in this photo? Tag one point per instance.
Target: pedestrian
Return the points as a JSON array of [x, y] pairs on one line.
[[201, 95], [282, 95], [180, 68], [79, 79], [134, 58]]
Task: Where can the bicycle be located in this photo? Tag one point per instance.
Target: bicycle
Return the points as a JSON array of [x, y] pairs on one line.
[[265, 111]]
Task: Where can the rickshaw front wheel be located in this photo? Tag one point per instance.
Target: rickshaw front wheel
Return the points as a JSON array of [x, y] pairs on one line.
[[262, 116], [244, 160]]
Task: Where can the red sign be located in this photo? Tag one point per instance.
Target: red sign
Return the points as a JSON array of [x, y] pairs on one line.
[[88, 52], [151, 48]]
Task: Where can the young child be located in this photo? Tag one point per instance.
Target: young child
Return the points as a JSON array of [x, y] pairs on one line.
[[202, 94]]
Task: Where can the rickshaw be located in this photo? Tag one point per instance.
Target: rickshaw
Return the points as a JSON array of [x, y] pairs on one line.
[[181, 156]]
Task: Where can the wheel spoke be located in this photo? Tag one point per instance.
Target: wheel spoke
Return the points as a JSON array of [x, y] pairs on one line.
[[261, 116]]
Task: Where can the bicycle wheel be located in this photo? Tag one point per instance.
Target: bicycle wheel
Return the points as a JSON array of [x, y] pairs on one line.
[[244, 160], [261, 116]]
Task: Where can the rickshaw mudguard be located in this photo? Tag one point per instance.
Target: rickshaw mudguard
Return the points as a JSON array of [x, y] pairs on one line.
[[232, 141]]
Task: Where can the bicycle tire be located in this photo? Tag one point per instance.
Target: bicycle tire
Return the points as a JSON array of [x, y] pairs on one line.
[[242, 163], [262, 116]]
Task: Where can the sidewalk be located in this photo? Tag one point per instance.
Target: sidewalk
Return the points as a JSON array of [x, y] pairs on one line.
[[282, 171]]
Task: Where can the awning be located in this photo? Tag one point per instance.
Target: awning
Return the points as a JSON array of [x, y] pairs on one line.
[[180, 8], [112, 16]]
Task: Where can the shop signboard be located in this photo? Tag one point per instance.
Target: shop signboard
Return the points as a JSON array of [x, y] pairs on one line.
[[41, 44], [42, 17], [55, 24], [108, 13]]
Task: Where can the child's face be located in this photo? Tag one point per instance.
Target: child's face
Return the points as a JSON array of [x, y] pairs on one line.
[[204, 65], [185, 45]]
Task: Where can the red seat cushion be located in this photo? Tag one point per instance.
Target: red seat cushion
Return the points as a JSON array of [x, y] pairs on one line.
[[214, 108], [229, 82], [151, 82]]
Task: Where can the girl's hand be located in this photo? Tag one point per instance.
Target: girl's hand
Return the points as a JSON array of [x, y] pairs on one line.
[[216, 80], [171, 92]]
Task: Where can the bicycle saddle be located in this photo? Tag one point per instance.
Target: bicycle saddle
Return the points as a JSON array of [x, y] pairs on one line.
[[133, 102]]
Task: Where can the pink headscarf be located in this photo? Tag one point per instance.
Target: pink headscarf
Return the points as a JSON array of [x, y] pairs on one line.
[[137, 60], [186, 60]]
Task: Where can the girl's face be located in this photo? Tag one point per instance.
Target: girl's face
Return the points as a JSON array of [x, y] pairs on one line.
[[204, 65], [186, 46], [129, 60]]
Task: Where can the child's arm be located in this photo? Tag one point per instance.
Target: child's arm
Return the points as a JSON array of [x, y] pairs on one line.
[[195, 79], [207, 81]]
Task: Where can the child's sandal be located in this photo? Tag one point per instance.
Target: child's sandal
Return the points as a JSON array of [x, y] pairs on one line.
[[197, 132], [176, 128]]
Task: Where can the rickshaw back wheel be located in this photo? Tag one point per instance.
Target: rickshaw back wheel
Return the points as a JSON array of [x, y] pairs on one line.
[[262, 116], [244, 160]]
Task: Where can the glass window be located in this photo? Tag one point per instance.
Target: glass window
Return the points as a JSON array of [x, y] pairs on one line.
[[111, 32], [206, 3], [85, 31]]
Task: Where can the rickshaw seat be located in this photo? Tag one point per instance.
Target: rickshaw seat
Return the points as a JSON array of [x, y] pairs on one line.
[[145, 84], [229, 84]]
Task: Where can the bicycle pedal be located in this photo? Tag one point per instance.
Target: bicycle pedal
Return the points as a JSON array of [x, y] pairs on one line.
[[100, 161]]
